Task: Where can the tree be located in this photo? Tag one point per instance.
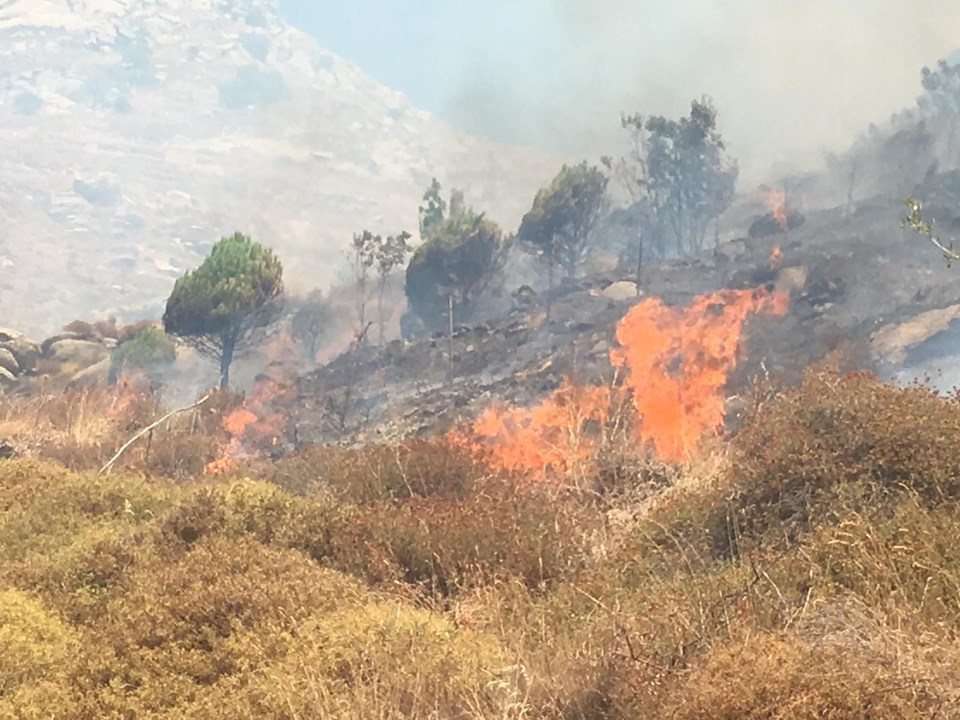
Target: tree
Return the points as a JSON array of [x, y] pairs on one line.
[[562, 216], [680, 169], [433, 212], [941, 101], [364, 254], [388, 255], [310, 322], [916, 222], [217, 307], [459, 257]]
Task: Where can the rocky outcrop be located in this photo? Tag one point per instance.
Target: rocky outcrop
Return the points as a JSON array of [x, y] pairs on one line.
[[77, 353], [8, 362], [93, 376], [24, 350]]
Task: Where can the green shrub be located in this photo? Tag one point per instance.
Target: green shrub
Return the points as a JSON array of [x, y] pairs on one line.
[[150, 351]]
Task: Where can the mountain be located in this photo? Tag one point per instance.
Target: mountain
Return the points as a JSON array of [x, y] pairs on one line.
[[134, 133]]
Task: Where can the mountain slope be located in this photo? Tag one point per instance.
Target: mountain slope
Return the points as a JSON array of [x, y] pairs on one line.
[[133, 133]]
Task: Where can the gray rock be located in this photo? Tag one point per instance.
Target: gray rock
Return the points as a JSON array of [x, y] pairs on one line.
[[66, 335], [8, 362], [620, 291], [7, 379], [96, 375], [82, 353], [24, 350]]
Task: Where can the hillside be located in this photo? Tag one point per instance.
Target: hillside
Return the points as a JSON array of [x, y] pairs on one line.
[[133, 133]]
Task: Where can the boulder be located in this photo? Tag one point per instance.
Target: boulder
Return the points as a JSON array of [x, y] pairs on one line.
[[94, 376], [25, 350], [8, 362], [45, 348], [7, 379], [81, 353], [620, 291]]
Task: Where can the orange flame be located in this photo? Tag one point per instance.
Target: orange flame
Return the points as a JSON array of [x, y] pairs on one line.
[[130, 388], [253, 427], [776, 201], [678, 360], [551, 437]]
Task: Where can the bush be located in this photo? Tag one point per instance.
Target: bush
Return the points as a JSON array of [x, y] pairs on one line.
[[419, 468], [34, 645], [836, 436], [151, 351]]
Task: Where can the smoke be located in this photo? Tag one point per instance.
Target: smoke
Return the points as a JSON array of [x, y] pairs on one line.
[[790, 79]]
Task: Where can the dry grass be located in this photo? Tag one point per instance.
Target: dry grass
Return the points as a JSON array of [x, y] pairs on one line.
[[409, 583]]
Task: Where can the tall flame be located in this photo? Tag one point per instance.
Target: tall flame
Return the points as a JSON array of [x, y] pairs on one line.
[[678, 360]]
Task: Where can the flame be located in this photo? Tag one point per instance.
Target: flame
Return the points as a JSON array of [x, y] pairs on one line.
[[776, 202], [253, 427], [131, 387], [549, 438], [678, 360]]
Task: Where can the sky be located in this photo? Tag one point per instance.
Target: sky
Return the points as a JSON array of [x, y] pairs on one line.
[[790, 78]]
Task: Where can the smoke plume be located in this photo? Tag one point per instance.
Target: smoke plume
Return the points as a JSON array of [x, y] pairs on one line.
[[790, 79]]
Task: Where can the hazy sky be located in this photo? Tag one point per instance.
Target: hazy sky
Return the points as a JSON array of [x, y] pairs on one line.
[[789, 77]]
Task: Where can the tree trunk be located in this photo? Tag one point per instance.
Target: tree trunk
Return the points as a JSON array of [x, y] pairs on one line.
[[380, 318], [639, 258], [229, 343]]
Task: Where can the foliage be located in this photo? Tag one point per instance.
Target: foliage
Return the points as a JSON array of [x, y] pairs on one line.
[[834, 435], [383, 256], [916, 222], [217, 307], [150, 351], [432, 213], [563, 214], [407, 582], [459, 257], [678, 169]]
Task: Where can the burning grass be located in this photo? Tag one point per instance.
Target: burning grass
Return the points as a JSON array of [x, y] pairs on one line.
[[811, 570]]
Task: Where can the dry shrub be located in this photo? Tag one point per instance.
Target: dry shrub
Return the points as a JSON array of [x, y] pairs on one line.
[[779, 677], [444, 545], [417, 468], [34, 644], [185, 625], [43, 507], [380, 659], [838, 435]]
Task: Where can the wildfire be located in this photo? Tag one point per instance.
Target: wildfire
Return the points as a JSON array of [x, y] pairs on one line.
[[676, 360], [776, 201], [776, 256], [551, 437], [130, 387], [252, 427]]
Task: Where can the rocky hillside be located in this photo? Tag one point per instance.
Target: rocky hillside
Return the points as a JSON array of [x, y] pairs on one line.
[[134, 132]]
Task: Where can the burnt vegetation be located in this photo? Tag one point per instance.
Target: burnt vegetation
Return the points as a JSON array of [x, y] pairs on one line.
[[652, 490]]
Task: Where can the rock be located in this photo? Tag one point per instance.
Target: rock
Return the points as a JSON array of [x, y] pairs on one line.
[[25, 350], [66, 335], [94, 376], [8, 362], [82, 353], [620, 291], [7, 379], [791, 278], [7, 450]]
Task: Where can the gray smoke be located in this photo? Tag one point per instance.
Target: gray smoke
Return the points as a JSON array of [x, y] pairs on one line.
[[791, 79]]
